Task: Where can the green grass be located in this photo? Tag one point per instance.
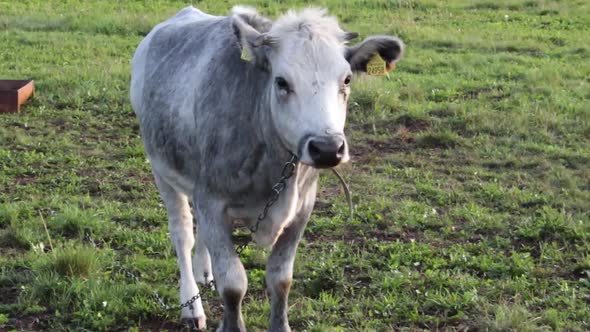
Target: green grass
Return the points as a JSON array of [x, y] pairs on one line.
[[470, 176]]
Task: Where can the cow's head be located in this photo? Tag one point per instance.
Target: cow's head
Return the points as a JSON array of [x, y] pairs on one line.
[[311, 70]]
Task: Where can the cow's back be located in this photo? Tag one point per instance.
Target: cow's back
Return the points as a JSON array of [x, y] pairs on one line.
[[196, 99], [166, 75], [168, 53]]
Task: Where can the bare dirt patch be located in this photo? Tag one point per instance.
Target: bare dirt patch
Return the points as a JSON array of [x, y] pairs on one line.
[[24, 179]]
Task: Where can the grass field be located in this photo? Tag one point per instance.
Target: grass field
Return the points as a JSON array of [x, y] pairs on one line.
[[470, 176]]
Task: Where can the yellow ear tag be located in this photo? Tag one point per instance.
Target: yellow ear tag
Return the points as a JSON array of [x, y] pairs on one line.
[[245, 56], [376, 66]]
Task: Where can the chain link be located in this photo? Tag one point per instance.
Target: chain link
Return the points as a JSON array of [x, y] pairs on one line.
[[189, 303], [242, 241], [208, 287]]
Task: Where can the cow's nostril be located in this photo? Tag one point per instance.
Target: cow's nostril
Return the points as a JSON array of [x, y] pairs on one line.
[[314, 151], [341, 150]]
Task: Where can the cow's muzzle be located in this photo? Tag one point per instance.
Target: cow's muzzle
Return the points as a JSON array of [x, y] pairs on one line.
[[324, 151]]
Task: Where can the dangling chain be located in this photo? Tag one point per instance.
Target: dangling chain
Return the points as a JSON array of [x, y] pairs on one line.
[[287, 172]]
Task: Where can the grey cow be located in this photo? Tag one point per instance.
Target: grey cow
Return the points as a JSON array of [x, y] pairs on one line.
[[217, 131]]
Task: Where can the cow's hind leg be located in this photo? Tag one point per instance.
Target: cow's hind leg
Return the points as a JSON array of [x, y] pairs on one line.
[[201, 260], [230, 276], [180, 223]]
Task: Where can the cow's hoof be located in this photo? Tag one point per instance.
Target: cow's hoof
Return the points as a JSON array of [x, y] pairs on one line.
[[281, 328], [195, 324], [240, 328]]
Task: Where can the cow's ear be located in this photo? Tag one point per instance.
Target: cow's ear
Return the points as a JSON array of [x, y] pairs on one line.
[[254, 45], [389, 48]]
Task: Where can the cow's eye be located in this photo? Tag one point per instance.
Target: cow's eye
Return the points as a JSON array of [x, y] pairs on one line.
[[282, 84], [347, 80]]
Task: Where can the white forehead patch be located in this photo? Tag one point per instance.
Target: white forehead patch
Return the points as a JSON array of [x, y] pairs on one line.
[[309, 40], [312, 21]]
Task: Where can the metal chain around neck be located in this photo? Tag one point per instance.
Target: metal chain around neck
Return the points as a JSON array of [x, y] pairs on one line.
[[286, 173]]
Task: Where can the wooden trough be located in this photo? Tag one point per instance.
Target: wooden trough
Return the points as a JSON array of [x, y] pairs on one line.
[[14, 93]]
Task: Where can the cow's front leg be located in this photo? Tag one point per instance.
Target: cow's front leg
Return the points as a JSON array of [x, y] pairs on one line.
[[180, 224], [279, 267], [230, 276]]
